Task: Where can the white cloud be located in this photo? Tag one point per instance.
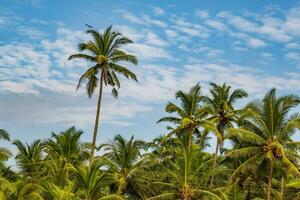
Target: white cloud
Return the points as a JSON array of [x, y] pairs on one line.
[[171, 33], [191, 29], [255, 43], [117, 112], [183, 47], [267, 56], [216, 24], [142, 20], [158, 83], [132, 18], [147, 52], [158, 11], [31, 32], [17, 87], [65, 45], [292, 23], [282, 29], [292, 45], [273, 28], [2, 21], [130, 32], [153, 39], [202, 13], [214, 53], [238, 22], [19, 61], [293, 57], [148, 20]]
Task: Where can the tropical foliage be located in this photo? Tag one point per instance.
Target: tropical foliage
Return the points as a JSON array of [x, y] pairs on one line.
[[260, 159]]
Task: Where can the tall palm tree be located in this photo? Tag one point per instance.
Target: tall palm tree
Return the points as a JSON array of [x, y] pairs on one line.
[[222, 113], [267, 136], [104, 52], [126, 163]]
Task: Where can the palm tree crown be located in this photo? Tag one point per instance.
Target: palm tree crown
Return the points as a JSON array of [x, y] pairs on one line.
[[105, 54], [266, 133]]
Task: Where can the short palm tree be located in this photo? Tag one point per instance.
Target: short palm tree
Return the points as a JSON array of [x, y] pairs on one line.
[[29, 158], [25, 191], [186, 177], [163, 148], [91, 182], [189, 106], [105, 55], [4, 153], [220, 106], [189, 115], [266, 134], [65, 193], [64, 151], [4, 135], [126, 164], [67, 145]]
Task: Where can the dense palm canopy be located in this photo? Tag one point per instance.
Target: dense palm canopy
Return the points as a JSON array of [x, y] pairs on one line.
[[265, 134], [262, 161]]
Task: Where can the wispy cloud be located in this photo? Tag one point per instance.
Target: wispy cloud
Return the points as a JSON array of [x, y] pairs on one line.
[[254, 43], [31, 32], [158, 11]]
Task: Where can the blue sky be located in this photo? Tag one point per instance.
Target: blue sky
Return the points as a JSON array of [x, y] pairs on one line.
[[252, 45]]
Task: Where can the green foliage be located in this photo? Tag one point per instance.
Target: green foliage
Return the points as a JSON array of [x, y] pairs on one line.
[[262, 163]]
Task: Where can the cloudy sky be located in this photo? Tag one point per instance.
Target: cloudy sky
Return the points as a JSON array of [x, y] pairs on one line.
[[252, 45]]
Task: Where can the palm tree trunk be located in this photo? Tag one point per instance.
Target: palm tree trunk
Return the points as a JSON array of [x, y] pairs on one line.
[[282, 188], [215, 162], [216, 155], [190, 140], [186, 168], [270, 181], [97, 119]]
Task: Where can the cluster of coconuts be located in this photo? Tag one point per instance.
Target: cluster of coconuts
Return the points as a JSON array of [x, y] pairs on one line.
[[266, 146], [187, 191], [188, 124], [276, 151]]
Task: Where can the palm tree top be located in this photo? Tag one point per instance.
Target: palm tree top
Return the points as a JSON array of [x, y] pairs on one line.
[[105, 54], [222, 94], [4, 135], [188, 105]]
